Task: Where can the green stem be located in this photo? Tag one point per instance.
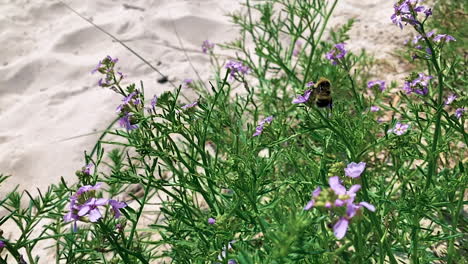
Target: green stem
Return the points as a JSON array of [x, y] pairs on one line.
[[455, 217], [432, 156], [414, 241]]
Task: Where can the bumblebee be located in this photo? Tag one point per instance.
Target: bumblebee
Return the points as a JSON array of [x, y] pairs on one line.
[[322, 93]]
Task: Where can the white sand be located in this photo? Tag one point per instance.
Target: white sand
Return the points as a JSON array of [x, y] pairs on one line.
[[47, 94]]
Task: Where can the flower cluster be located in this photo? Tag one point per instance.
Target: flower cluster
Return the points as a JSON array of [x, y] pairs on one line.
[[417, 84], [440, 38], [85, 204], [444, 38], [406, 11], [341, 202], [129, 102], [207, 46], [236, 68], [261, 125], [106, 67], [377, 83], [336, 54], [399, 129]]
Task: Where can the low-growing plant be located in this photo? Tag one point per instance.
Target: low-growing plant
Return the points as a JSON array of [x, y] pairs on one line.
[[289, 155]]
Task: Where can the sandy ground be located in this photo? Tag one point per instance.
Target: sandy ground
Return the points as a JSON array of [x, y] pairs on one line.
[[51, 109]]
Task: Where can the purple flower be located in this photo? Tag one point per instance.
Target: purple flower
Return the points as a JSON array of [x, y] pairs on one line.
[[403, 12], [120, 75], [88, 188], [399, 129], [187, 82], [416, 39], [336, 54], [90, 208], [261, 125], [428, 12], [450, 99], [339, 189], [127, 100], [114, 61], [418, 85], [407, 87], [116, 206], [211, 221], [83, 203], [380, 84], [459, 112], [236, 68], [422, 91], [430, 33], [341, 226], [422, 79], [104, 83], [98, 66], [311, 203], [207, 46], [87, 169], [374, 108], [126, 122], [354, 170], [72, 214], [297, 48], [338, 197], [303, 98], [2, 244], [187, 106], [154, 101], [444, 37], [310, 84]]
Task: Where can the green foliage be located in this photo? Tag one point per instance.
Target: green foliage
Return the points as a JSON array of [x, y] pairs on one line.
[[184, 165]]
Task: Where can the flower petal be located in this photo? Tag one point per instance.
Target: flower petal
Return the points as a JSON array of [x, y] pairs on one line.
[[354, 189], [309, 205], [367, 205], [336, 186], [340, 228], [84, 210], [316, 192], [94, 215], [101, 201]]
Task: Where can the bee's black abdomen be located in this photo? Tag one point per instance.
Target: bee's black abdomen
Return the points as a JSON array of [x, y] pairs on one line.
[[324, 102]]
